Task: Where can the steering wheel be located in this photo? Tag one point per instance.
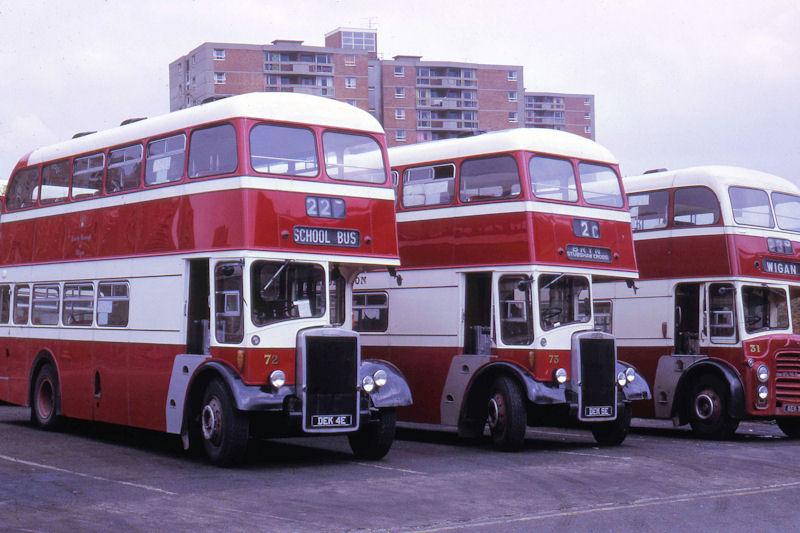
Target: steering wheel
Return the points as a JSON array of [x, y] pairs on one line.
[[552, 312], [752, 320]]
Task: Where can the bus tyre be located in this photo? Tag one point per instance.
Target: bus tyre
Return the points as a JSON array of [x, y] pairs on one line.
[[224, 430], [46, 402], [709, 409], [614, 433], [790, 427], [374, 439], [506, 415]]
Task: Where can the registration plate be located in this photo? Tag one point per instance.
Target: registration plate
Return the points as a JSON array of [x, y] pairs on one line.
[[597, 411], [791, 408], [331, 421], [349, 238]]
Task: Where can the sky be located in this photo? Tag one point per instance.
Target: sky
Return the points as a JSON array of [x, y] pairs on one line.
[[676, 83]]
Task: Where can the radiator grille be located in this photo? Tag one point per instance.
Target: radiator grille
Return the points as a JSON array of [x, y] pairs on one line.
[[331, 382], [787, 377], [598, 380]]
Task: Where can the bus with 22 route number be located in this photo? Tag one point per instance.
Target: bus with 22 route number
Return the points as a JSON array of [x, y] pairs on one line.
[[191, 273]]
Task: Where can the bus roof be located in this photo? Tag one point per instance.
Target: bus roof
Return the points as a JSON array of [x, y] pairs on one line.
[[716, 177], [529, 139], [285, 107]]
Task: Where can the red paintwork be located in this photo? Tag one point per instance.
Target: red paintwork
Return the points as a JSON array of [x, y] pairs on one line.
[[239, 219], [134, 376]]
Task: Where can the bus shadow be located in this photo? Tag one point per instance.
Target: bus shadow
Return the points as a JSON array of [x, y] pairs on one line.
[[741, 435], [260, 452]]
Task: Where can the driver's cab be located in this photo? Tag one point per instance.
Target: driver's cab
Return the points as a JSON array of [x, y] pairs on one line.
[[716, 314], [512, 309]]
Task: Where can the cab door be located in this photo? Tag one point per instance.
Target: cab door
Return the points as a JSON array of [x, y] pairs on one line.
[[719, 327]]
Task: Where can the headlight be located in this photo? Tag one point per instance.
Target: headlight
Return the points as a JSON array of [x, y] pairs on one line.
[[621, 379], [277, 378], [762, 373], [380, 377], [763, 392], [561, 375], [368, 384], [630, 374]]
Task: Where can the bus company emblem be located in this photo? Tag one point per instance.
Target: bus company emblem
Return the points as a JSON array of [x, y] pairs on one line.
[[588, 253], [781, 267], [597, 411], [326, 421], [349, 238]]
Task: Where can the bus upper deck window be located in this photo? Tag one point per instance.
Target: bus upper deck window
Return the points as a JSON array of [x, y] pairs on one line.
[[212, 151], [23, 188], [124, 168], [165, 160], [87, 175], [600, 185], [751, 207], [648, 210], [489, 178], [431, 185], [350, 157], [283, 150], [55, 182], [787, 211], [553, 179], [695, 206]]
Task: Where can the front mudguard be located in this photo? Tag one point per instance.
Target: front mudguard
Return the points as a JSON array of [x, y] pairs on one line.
[[396, 392], [638, 388]]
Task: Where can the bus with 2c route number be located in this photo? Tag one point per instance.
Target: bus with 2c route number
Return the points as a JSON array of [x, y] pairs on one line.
[[502, 237], [191, 273]]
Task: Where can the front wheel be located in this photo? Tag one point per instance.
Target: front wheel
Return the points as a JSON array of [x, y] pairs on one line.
[[507, 415], [224, 429], [614, 433], [46, 399], [709, 409], [790, 427], [374, 439]]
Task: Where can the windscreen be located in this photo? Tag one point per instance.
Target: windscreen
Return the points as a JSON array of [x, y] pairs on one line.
[[765, 308], [563, 300]]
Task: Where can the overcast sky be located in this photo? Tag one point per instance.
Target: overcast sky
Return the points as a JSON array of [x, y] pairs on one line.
[[677, 83]]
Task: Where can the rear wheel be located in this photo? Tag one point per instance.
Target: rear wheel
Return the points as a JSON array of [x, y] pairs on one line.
[[506, 416], [790, 426], [614, 433], [46, 402], [374, 439], [224, 429], [709, 409]]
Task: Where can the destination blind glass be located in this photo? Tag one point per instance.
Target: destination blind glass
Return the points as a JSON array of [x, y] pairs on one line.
[[326, 236], [786, 268]]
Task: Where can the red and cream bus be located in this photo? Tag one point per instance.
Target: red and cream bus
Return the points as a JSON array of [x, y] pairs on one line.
[[490, 318], [191, 273], [709, 324]]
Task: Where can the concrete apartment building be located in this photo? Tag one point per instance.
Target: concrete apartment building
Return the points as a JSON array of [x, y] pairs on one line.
[[415, 100]]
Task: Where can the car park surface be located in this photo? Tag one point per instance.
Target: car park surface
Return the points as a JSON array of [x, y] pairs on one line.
[[94, 477]]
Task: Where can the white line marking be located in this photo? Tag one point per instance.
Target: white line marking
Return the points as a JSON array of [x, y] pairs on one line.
[[678, 498], [598, 455], [392, 468], [88, 476]]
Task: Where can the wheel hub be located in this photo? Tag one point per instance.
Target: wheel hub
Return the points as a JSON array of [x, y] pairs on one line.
[[45, 400], [706, 405], [496, 410], [211, 420]]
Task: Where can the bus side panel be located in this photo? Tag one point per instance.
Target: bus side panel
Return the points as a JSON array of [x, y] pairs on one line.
[[18, 360], [74, 362], [425, 369], [148, 383], [110, 362]]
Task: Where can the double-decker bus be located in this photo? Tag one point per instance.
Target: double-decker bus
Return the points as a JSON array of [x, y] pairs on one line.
[[709, 324], [191, 273], [502, 237]]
